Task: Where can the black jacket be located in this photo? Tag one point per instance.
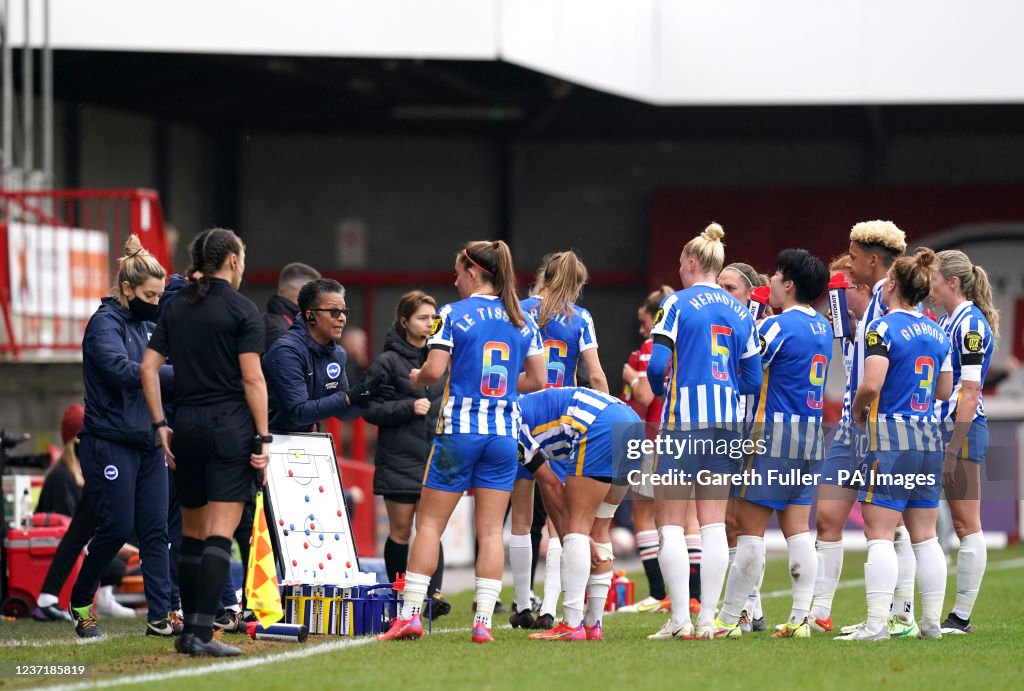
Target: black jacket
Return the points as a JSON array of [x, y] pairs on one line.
[[279, 316], [404, 439]]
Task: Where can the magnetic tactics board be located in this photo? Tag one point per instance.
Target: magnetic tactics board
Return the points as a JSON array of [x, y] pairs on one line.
[[310, 527]]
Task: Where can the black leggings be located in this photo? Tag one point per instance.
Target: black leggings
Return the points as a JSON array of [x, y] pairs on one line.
[[80, 531]]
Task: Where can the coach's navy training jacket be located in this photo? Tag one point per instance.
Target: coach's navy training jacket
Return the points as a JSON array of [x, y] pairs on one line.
[[304, 381], [112, 350]]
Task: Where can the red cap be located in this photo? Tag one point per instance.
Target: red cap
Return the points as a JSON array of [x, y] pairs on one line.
[[839, 280], [761, 294], [71, 423]]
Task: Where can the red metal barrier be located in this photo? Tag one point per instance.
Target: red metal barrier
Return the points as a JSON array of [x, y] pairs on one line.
[[58, 254]]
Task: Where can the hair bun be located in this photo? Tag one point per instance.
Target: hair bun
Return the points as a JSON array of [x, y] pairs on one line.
[[132, 245], [925, 258], [713, 233]]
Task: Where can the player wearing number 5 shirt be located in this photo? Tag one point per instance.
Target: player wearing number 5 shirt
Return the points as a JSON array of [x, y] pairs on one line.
[[706, 340]]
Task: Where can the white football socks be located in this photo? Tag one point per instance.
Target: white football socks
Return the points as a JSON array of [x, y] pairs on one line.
[[830, 566], [714, 563], [803, 567], [597, 595], [552, 577], [416, 586], [487, 592], [903, 598], [575, 572], [520, 558], [970, 568], [746, 568], [931, 580], [674, 560], [880, 574]]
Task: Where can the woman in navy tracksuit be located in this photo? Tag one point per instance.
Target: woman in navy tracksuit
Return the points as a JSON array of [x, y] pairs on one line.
[[305, 368], [123, 464]]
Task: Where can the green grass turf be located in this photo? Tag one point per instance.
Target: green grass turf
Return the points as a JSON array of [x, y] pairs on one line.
[[989, 658]]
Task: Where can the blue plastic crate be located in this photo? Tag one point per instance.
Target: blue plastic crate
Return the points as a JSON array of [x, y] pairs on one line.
[[369, 610]]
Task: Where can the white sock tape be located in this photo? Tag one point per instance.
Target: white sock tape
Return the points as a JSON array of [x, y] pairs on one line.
[[606, 510], [604, 551]]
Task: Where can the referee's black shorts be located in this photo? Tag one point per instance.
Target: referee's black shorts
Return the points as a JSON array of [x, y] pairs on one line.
[[211, 447]]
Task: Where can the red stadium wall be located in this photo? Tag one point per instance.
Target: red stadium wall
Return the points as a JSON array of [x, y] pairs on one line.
[[760, 222]]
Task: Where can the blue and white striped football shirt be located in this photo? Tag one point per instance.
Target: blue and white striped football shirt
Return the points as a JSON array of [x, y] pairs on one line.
[[552, 419], [970, 339], [712, 333], [902, 417], [855, 368], [564, 339], [796, 347], [487, 355]]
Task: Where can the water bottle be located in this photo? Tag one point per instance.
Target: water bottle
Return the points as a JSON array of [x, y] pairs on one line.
[[26, 510], [838, 310], [758, 301]]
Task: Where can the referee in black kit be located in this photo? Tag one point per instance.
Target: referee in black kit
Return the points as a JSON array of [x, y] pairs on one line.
[[219, 447]]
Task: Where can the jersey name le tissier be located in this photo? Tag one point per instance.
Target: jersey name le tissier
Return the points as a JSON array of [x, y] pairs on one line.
[[903, 416], [855, 363], [796, 347], [564, 338], [553, 419], [487, 354], [711, 332], [971, 343]]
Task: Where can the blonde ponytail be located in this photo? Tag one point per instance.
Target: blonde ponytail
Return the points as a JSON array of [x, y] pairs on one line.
[[564, 276], [974, 284]]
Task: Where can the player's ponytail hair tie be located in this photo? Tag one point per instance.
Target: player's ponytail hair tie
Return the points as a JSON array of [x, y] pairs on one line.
[[475, 263]]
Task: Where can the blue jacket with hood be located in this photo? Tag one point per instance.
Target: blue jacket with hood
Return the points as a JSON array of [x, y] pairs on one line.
[[305, 381], [112, 351]]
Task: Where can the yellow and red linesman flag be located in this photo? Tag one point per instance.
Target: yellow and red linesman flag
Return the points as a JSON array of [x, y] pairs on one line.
[[261, 591]]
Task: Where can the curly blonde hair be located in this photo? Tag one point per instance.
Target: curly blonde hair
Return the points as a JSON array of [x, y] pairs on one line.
[[883, 234]]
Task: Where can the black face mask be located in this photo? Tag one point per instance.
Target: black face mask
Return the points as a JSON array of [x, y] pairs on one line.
[[142, 310]]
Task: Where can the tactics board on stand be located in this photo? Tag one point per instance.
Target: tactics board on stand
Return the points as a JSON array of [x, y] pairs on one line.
[[310, 527]]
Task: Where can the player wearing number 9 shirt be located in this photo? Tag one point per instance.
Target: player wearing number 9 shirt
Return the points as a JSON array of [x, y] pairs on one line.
[[493, 352], [710, 339]]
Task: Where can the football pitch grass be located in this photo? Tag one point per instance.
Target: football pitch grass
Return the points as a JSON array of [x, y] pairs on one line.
[[991, 657]]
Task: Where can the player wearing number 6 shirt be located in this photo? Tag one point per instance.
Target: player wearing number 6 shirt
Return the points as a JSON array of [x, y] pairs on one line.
[[907, 367], [709, 337], [567, 332], [493, 352], [796, 346]]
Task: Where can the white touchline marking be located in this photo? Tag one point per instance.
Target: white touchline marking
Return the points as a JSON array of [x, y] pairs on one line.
[[233, 665]]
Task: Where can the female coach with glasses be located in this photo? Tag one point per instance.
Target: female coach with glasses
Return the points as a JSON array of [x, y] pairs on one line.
[[305, 368]]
